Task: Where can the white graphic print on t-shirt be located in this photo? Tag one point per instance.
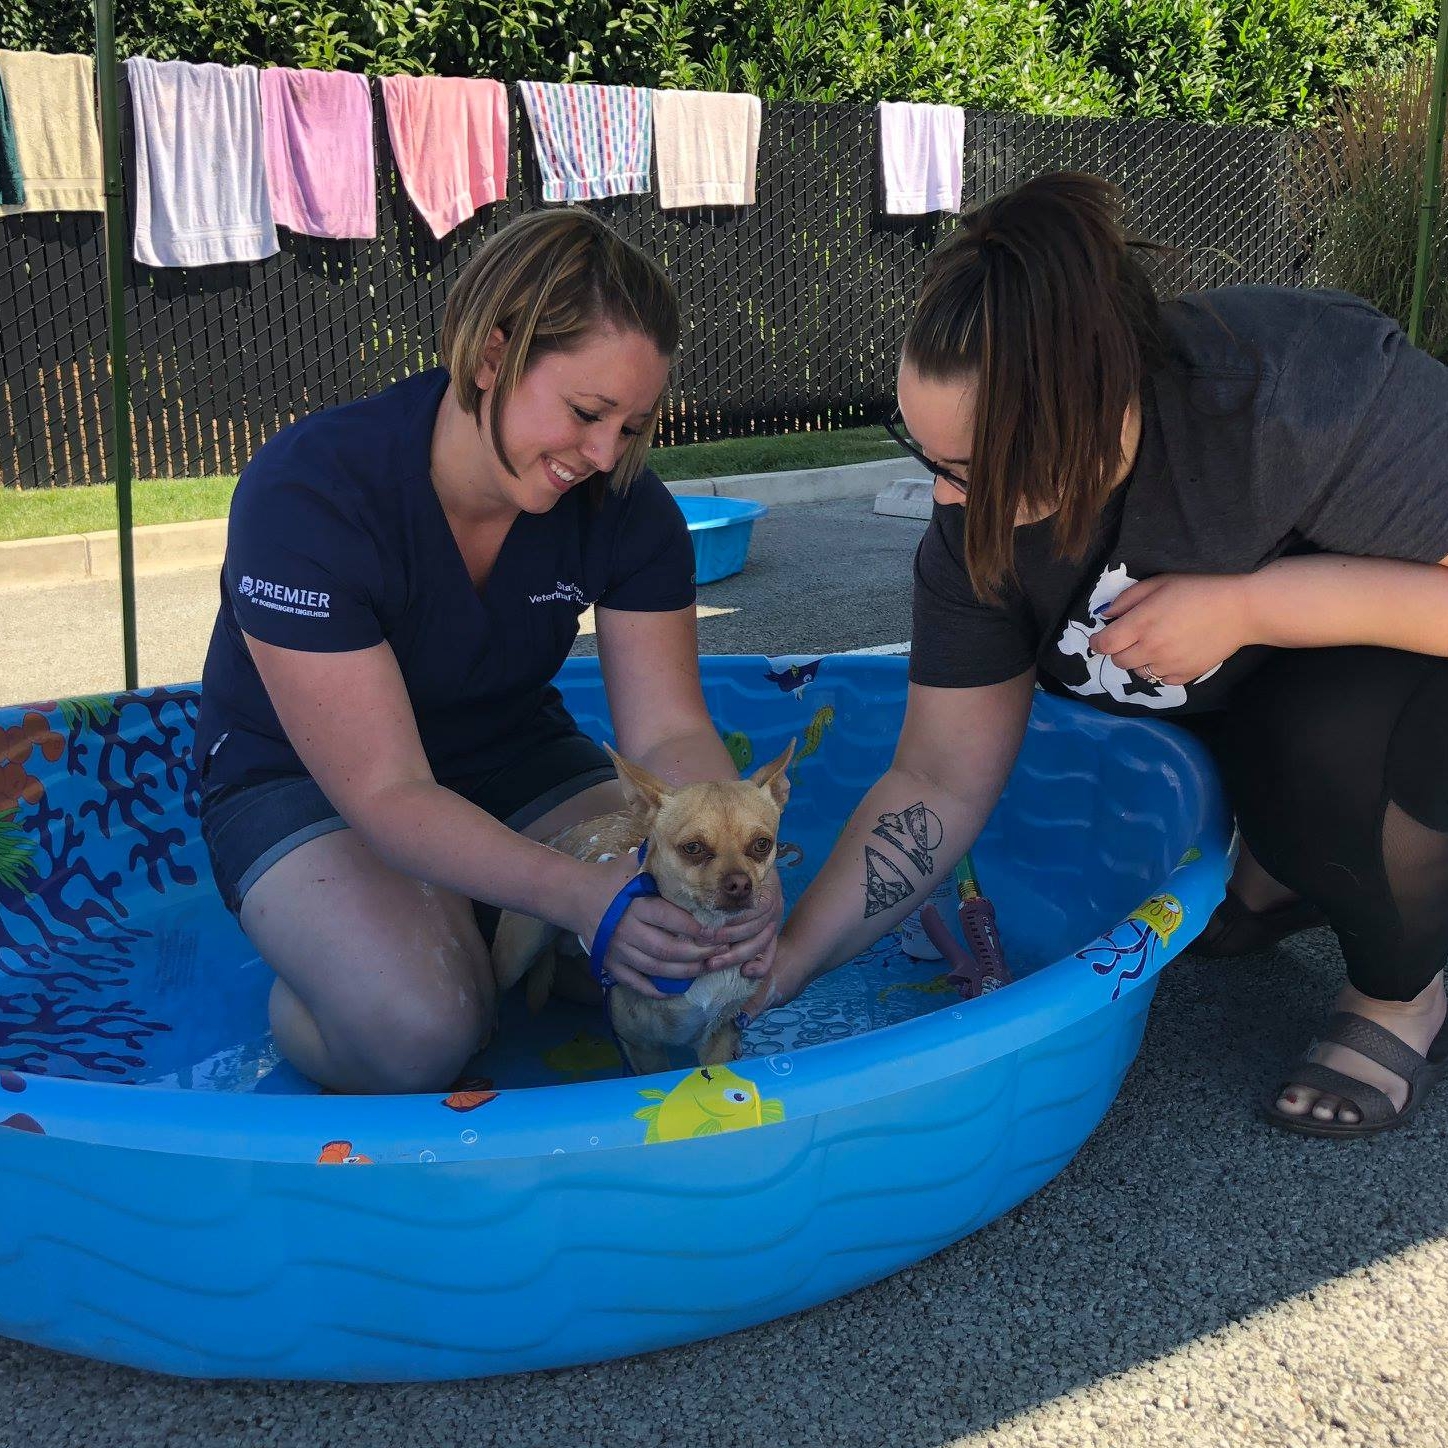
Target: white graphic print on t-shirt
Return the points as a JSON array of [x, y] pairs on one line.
[[1106, 676]]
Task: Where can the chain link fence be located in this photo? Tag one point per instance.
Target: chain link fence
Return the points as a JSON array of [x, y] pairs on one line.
[[794, 308]]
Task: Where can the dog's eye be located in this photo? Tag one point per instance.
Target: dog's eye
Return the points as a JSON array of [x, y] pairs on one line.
[[762, 846], [692, 848]]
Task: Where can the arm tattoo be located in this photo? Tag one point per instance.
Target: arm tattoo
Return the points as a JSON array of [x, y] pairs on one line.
[[915, 832], [885, 883]]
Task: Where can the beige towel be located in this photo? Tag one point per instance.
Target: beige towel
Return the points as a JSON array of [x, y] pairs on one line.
[[52, 102], [707, 143]]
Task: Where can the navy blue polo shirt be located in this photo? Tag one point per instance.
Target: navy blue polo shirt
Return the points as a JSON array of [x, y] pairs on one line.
[[337, 541]]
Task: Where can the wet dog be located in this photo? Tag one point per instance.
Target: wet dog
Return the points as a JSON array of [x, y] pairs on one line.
[[710, 848]]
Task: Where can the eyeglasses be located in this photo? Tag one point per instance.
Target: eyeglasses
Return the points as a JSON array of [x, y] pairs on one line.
[[896, 428]]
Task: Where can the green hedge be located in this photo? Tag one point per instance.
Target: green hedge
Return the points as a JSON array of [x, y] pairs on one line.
[[1273, 61]]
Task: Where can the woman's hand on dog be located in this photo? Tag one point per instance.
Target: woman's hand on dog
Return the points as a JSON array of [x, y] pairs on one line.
[[652, 938], [657, 938], [778, 981], [750, 940]]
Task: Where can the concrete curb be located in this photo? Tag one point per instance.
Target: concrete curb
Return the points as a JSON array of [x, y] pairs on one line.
[[175, 547]]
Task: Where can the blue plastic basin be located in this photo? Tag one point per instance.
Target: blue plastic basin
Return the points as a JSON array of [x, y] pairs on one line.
[[176, 1199], [720, 529]]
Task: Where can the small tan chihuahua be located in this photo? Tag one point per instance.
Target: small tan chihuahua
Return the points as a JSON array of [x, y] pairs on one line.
[[710, 847]]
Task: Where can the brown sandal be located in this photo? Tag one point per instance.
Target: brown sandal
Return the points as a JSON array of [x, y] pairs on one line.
[[1235, 930], [1375, 1108]]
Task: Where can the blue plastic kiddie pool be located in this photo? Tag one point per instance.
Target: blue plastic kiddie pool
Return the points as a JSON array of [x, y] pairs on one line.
[[176, 1199], [720, 529]]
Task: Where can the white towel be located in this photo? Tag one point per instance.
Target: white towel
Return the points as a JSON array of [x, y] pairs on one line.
[[707, 143], [201, 195], [922, 148]]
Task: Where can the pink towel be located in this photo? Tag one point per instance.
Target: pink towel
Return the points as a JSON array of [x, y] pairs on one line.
[[317, 127], [450, 138]]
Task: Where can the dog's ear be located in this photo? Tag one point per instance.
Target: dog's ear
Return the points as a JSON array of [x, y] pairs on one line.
[[773, 776], [644, 792]]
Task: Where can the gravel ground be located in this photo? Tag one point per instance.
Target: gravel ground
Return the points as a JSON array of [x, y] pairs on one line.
[[1192, 1278]]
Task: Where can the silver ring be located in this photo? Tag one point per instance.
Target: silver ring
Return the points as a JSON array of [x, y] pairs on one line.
[[1152, 677]]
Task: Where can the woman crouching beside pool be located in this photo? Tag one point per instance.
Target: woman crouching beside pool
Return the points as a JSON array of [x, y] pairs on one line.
[[1229, 511], [382, 745]]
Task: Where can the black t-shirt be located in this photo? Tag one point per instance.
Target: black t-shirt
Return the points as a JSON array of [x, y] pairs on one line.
[[1287, 421], [337, 541]]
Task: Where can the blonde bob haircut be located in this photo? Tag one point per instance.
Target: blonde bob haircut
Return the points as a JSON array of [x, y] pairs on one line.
[[546, 282]]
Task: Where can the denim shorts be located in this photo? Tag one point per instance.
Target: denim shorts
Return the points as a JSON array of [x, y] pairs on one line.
[[249, 827]]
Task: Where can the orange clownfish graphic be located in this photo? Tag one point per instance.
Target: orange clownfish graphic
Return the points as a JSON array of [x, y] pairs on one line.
[[340, 1153]]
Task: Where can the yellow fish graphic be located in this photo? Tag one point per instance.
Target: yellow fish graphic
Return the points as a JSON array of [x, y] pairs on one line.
[[704, 1103], [940, 985], [584, 1055], [1161, 914]]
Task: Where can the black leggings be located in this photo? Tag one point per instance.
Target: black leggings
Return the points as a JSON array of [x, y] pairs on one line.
[[1335, 762]]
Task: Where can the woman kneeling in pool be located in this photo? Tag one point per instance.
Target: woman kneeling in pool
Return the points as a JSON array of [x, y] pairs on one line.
[[382, 744]]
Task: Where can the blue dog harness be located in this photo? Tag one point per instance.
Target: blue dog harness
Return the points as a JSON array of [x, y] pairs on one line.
[[643, 884]]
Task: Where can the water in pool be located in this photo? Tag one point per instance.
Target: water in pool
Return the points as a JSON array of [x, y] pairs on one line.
[[207, 985]]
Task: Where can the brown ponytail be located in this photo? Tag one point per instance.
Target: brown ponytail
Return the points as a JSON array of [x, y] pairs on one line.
[[1039, 296]]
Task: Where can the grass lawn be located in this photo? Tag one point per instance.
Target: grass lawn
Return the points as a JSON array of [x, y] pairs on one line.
[[45, 512]]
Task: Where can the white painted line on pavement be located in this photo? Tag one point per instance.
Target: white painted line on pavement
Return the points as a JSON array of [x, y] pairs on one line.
[[883, 649]]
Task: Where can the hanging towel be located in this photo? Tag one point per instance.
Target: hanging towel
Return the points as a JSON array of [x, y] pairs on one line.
[[921, 152], [450, 141], [317, 126], [708, 146], [51, 99], [592, 140], [200, 192], [12, 182]]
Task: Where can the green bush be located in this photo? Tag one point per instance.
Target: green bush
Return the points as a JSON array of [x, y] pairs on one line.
[[1274, 61], [1271, 61], [1360, 176]]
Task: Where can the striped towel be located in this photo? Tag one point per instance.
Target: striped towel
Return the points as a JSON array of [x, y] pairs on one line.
[[592, 140]]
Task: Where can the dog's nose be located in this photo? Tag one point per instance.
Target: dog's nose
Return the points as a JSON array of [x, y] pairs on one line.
[[735, 888]]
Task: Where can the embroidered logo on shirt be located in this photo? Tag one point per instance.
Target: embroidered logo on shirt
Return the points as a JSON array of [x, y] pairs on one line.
[[304, 602], [562, 593]]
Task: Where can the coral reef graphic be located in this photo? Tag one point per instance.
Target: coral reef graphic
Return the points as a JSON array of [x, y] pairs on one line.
[[77, 833]]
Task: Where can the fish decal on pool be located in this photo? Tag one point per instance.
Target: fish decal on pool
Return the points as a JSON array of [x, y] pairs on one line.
[[340, 1153], [814, 734], [1127, 950], [940, 985], [793, 678], [706, 1102], [584, 1055], [22, 1122], [469, 1100], [741, 751]]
